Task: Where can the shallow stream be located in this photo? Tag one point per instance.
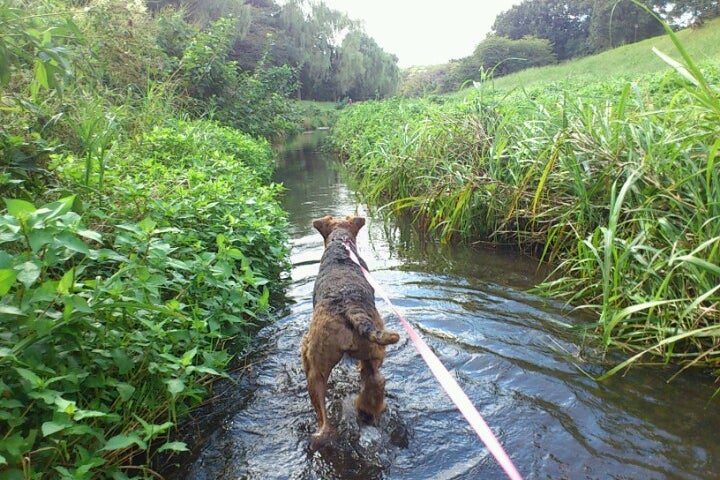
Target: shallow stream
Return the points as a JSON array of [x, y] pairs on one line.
[[510, 350]]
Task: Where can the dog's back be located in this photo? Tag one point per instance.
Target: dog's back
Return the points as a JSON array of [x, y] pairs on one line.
[[342, 290], [339, 279]]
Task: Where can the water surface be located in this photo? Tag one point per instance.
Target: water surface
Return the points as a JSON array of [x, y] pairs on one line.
[[509, 350]]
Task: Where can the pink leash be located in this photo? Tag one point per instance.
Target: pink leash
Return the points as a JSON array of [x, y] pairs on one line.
[[454, 391]]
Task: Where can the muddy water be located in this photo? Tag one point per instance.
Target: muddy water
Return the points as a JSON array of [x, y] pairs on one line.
[[508, 349]]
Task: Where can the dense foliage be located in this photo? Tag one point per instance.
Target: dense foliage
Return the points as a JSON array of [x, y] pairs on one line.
[[109, 329], [615, 182], [140, 246], [332, 55], [502, 55], [588, 26]]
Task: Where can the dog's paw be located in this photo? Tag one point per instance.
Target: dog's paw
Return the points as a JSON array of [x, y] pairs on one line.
[[365, 417], [320, 439]]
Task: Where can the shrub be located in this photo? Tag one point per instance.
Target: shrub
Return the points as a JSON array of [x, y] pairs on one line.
[[110, 331], [503, 55]]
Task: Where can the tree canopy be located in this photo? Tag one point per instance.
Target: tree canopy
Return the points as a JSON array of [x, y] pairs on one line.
[[580, 27], [332, 56]]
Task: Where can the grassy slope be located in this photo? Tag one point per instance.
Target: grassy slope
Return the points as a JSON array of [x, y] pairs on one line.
[[703, 45]]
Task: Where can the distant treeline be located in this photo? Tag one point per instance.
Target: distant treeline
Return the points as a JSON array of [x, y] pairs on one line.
[[543, 32], [332, 55]]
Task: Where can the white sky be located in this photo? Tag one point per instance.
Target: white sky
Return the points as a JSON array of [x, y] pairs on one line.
[[425, 32]]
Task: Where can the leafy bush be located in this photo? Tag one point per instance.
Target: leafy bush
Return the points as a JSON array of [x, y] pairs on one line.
[[503, 55], [35, 67], [109, 332]]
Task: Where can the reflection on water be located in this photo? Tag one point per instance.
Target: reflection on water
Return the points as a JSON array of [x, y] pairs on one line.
[[508, 349]]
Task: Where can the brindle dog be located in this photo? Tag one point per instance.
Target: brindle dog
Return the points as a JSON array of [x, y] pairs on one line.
[[344, 320]]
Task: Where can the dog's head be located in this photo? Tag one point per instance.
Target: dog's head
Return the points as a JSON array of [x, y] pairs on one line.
[[328, 226]]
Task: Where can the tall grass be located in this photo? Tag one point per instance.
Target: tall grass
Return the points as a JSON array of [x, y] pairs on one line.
[[614, 182]]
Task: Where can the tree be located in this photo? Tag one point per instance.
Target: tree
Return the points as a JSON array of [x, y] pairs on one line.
[[618, 23], [350, 64], [564, 23], [364, 70], [502, 55], [205, 12], [314, 29], [688, 12]]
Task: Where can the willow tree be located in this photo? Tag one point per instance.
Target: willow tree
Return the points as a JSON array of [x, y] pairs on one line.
[[350, 64], [364, 70], [314, 29]]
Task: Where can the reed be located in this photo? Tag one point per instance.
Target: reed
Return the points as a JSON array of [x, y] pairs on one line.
[[614, 182]]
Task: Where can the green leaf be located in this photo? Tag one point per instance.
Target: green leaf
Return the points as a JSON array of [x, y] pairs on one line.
[[30, 377], [125, 390], [43, 326], [18, 207], [122, 361], [81, 414], [175, 386], [174, 447], [59, 208], [7, 353], [10, 310], [17, 445], [73, 243], [41, 76], [6, 260], [28, 273], [48, 428], [702, 263], [90, 234], [66, 283], [66, 406], [188, 356], [152, 429], [7, 279], [147, 225], [39, 238], [120, 442], [76, 303]]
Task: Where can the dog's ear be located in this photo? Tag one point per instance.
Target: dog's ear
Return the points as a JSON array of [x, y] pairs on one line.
[[357, 223], [322, 225]]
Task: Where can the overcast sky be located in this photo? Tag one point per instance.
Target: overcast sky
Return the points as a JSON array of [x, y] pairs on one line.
[[422, 32]]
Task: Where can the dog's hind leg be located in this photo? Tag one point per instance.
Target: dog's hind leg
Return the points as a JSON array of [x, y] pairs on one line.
[[371, 401]]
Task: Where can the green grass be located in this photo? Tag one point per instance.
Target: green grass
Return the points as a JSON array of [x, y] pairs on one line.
[[614, 181], [629, 60], [315, 115]]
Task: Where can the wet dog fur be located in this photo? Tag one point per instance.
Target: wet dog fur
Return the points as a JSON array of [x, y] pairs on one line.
[[344, 321]]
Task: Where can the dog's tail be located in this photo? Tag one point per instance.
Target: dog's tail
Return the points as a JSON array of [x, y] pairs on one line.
[[363, 323]]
